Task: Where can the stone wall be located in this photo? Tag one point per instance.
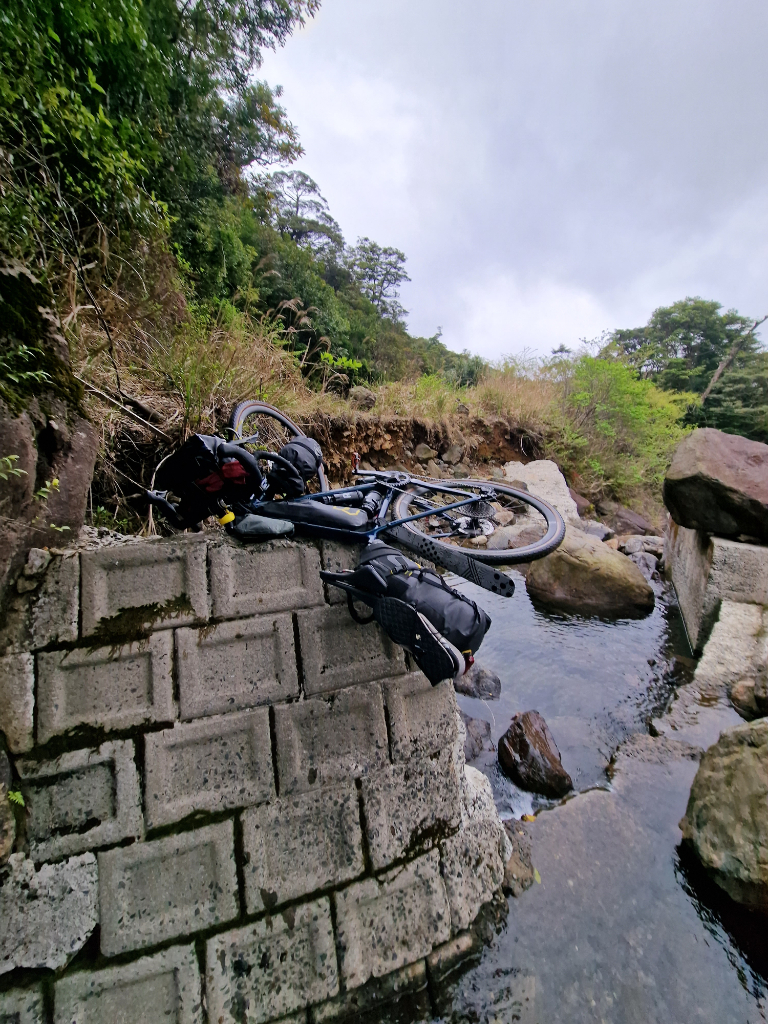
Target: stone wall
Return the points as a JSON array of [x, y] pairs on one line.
[[707, 570], [240, 805]]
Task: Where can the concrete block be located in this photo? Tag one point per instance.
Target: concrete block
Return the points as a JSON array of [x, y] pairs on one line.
[[236, 665], [321, 742], [114, 688], [211, 765], [387, 922], [47, 915], [273, 967], [301, 844], [81, 800], [151, 892], [707, 570], [337, 557], [336, 651], [278, 576], [473, 870], [164, 987], [374, 996], [17, 701], [733, 649], [154, 584], [23, 1006], [409, 807], [422, 718], [55, 609]]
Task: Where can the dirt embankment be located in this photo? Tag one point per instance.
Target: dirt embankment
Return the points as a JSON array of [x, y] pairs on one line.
[[387, 442]]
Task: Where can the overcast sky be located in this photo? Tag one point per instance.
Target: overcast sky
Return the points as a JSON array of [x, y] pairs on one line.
[[551, 168]]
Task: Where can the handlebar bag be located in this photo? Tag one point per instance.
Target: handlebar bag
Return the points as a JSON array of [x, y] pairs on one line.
[[306, 457]]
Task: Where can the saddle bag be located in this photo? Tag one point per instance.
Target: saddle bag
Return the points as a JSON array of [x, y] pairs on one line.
[[306, 457]]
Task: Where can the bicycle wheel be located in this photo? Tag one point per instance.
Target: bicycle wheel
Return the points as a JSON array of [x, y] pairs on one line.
[[478, 526], [269, 428]]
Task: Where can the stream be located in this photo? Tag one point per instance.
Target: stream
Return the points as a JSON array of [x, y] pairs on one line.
[[622, 928]]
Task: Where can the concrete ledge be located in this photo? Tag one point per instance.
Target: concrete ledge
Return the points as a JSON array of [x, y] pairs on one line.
[[23, 1006], [277, 576], [338, 652], [152, 892], [164, 987], [236, 665], [111, 688], [473, 870], [211, 765], [81, 800], [17, 701], [273, 967], [422, 717], [166, 577], [706, 570], [300, 845]]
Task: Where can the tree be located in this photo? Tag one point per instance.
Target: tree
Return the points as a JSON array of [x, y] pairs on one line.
[[693, 346], [379, 271], [300, 211]]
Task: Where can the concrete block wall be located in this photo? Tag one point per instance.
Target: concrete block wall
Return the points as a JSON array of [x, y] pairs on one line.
[[240, 804]]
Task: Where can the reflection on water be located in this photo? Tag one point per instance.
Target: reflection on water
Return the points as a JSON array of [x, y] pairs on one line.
[[620, 929]]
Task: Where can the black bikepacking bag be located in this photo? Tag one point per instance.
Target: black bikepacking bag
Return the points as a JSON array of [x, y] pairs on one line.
[[315, 513], [306, 458], [453, 615], [198, 475]]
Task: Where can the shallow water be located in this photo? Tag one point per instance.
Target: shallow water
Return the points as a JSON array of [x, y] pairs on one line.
[[618, 930]]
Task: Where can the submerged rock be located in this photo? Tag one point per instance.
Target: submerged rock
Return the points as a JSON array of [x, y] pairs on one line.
[[726, 821], [479, 682], [718, 483], [478, 736], [528, 754], [585, 575], [519, 872]]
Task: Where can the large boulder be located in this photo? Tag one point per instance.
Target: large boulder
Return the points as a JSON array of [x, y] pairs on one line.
[[528, 754], [585, 575], [545, 480], [726, 822], [718, 483], [361, 398]]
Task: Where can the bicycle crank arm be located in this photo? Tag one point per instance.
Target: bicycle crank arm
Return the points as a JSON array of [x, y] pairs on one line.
[[485, 576]]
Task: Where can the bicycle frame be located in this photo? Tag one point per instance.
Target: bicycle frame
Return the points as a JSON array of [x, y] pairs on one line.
[[393, 482]]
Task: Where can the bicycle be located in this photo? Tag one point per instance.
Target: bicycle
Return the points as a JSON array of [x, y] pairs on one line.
[[257, 491]]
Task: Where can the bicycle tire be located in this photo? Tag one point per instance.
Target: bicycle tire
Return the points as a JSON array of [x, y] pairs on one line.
[[509, 556], [253, 406]]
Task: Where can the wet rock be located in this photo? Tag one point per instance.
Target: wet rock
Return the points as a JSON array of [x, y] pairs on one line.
[[519, 870], [545, 480], [7, 819], [726, 821], [585, 575], [750, 695], [453, 454], [597, 530], [362, 398], [623, 520], [478, 736], [479, 682], [583, 505], [718, 483], [646, 563], [423, 452], [528, 754], [48, 914]]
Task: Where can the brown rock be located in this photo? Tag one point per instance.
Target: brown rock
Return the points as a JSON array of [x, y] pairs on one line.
[[583, 505], [585, 575], [623, 520], [519, 873], [528, 754], [718, 483]]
